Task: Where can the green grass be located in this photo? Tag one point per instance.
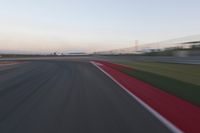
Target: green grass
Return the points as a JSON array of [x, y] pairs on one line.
[[187, 91], [183, 72], [177, 79]]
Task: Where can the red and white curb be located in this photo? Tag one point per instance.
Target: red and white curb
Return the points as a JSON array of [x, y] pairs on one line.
[[167, 123]]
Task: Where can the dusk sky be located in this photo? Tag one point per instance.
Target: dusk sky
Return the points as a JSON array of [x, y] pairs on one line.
[[43, 26]]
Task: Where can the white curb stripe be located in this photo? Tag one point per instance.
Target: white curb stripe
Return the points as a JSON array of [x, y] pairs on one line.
[[167, 123]]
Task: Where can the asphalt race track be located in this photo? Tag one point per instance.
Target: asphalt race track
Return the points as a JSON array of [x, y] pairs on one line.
[[68, 97]]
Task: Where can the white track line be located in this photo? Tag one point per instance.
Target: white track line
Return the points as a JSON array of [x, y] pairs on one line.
[[167, 123]]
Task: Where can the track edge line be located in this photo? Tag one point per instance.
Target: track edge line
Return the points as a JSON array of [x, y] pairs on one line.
[[161, 118]]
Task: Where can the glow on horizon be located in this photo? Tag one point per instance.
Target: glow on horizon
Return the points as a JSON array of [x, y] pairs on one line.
[[45, 26]]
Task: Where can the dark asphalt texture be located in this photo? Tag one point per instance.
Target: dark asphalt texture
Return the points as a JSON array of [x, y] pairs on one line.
[[68, 97]]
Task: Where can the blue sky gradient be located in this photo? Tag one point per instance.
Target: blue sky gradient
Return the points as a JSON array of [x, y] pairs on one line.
[[92, 25]]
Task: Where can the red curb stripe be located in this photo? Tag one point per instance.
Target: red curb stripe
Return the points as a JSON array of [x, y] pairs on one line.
[[116, 66], [181, 113]]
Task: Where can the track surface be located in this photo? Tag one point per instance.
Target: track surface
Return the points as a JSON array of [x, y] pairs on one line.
[[167, 59], [68, 97]]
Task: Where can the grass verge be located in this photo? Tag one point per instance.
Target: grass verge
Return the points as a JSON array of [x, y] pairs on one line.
[[183, 72], [163, 78]]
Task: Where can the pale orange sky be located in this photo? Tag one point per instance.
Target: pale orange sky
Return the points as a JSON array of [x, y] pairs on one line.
[[44, 26]]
